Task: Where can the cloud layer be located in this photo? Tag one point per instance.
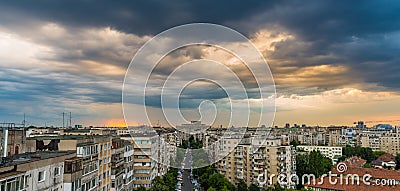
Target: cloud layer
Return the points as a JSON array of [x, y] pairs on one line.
[[72, 55]]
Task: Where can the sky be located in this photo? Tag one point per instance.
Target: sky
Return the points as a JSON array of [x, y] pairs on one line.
[[333, 62]]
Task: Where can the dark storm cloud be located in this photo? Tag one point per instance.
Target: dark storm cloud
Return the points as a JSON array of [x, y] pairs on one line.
[[17, 85], [332, 21], [362, 36], [139, 17], [360, 39], [326, 27]]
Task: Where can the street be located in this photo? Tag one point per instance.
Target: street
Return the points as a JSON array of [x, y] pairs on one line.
[[187, 183], [184, 174]]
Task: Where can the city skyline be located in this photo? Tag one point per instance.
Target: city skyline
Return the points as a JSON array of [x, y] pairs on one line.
[[333, 63]]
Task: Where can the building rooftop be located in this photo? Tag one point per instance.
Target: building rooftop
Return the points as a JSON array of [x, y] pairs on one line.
[[9, 174], [374, 172], [387, 157], [350, 187], [85, 144], [354, 162], [65, 137], [140, 134], [36, 156]]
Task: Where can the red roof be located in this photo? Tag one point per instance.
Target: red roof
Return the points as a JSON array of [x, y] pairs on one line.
[[351, 187], [373, 172], [354, 161], [387, 158]]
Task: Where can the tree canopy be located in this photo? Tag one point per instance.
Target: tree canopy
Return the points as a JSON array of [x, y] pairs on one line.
[[166, 182], [313, 163], [365, 153]]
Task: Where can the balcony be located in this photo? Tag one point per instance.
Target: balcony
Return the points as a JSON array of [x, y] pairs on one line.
[[258, 168], [238, 155], [258, 156], [259, 163]]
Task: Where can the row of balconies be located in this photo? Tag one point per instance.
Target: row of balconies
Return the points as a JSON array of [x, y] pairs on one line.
[[259, 163], [258, 156]]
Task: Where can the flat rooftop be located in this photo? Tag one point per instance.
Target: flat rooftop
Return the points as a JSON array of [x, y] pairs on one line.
[[66, 137], [36, 156]]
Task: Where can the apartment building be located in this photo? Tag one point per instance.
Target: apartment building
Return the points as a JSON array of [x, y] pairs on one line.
[[92, 152], [280, 160], [371, 140], [104, 158], [117, 164], [73, 174], [387, 140], [254, 161], [88, 151], [145, 157], [334, 153], [194, 128], [390, 143], [41, 171], [236, 165], [128, 165]]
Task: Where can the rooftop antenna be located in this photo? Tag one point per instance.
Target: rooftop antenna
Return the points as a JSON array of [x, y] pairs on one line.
[[23, 130], [70, 119], [63, 119], [24, 121]]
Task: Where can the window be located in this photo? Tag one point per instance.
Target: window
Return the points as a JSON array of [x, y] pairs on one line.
[[41, 176], [57, 171]]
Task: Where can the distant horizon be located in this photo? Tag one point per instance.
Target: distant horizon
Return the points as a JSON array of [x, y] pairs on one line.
[[368, 125], [332, 63]]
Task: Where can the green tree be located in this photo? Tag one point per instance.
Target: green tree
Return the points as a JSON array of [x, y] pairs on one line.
[[211, 189], [276, 187], [398, 161], [362, 152], [208, 178], [141, 189], [225, 188], [254, 187], [313, 163], [166, 182], [218, 181], [185, 144], [170, 179], [158, 185], [241, 186], [295, 143], [379, 153], [306, 189]]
